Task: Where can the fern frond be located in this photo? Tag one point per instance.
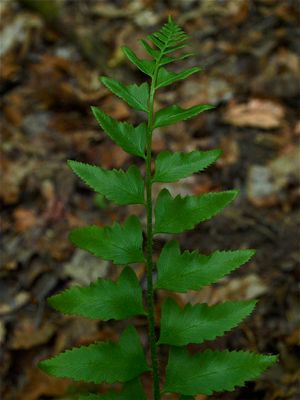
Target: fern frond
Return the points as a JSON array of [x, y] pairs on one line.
[[124, 361], [168, 39]]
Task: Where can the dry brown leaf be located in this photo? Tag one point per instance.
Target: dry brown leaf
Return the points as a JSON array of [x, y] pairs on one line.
[[244, 288], [24, 219], [39, 384], [13, 175], [230, 151], [264, 114], [27, 335]]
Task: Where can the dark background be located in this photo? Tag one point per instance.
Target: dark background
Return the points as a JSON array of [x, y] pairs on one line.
[[51, 56]]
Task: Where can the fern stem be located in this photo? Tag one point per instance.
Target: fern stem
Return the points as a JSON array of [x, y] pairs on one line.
[[149, 245]]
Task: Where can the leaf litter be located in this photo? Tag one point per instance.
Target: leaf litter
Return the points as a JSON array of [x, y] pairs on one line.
[[49, 79]]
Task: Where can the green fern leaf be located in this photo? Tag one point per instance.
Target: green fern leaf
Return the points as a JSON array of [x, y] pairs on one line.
[[189, 210], [118, 186], [195, 324], [136, 96], [103, 299], [170, 167], [132, 390], [185, 271], [102, 361], [131, 139], [120, 244], [166, 77], [145, 66], [172, 114], [161, 59], [169, 38], [154, 53], [212, 371]]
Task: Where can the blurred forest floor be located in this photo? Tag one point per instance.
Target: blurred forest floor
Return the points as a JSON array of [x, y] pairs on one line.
[[51, 57]]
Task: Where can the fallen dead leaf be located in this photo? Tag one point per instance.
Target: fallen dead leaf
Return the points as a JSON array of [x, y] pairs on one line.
[[247, 288], [27, 335], [39, 384], [13, 176], [235, 9], [264, 114], [244, 288], [24, 219], [230, 151]]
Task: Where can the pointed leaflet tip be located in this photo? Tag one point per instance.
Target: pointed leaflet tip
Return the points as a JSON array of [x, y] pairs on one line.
[[173, 114], [170, 167], [146, 66], [200, 322], [131, 139], [166, 77], [185, 271], [102, 361], [103, 299], [212, 371], [169, 38], [121, 244], [113, 184], [189, 210], [136, 96], [150, 50]]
